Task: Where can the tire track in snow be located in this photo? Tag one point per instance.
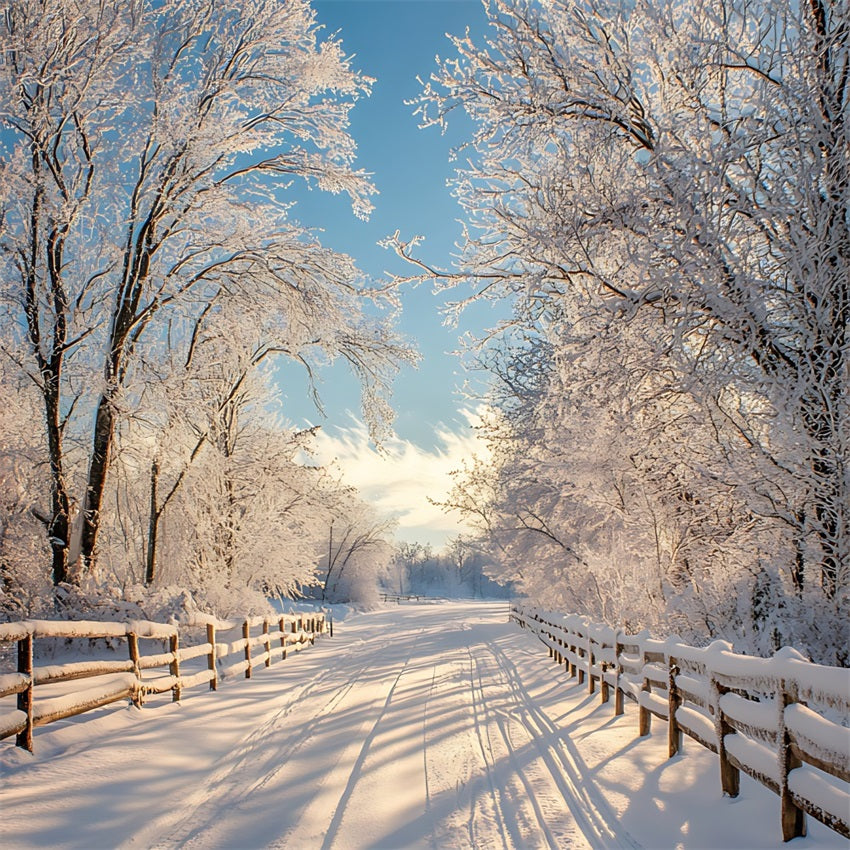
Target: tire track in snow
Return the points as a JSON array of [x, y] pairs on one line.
[[525, 797], [428, 802], [462, 801], [503, 791], [226, 786], [357, 767], [479, 708], [320, 822], [588, 806]]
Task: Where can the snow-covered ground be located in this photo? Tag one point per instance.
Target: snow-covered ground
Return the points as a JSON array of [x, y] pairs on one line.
[[431, 725]]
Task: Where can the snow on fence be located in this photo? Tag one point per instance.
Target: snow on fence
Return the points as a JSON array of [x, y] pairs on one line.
[[262, 641], [398, 598], [782, 720]]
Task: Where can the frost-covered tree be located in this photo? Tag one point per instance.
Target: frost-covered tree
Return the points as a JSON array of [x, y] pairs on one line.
[[684, 168], [357, 548], [460, 569], [608, 490], [22, 479], [147, 150]]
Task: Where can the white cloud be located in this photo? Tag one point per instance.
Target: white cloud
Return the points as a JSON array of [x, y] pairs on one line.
[[401, 478]]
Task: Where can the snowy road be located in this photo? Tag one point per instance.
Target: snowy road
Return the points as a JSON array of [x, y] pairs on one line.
[[437, 726]]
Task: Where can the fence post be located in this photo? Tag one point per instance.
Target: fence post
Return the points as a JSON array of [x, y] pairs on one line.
[[618, 667], [174, 667], [246, 634], [793, 818], [133, 647], [211, 657], [281, 624], [267, 642], [591, 682], [730, 779], [24, 699], [674, 700], [572, 647], [644, 715], [604, 693], [579, 667]]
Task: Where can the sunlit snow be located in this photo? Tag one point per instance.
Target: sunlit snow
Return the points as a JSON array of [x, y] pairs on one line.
[[422, 725]]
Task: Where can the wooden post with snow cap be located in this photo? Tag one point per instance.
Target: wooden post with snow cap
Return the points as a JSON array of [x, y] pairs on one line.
[[573, 652], [644, 714], [591, 657], [267, 643], [674, 700], [730, 778], [24, 697], [211, 665], [604, 693], [281, 625], [174, 666], [246, 635], [133, 647], [793, 817], [618, 667], [578, 652]]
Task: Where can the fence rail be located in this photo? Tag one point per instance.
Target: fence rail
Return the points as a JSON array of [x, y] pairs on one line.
[[782, 720], [398, 598], [263, 640]]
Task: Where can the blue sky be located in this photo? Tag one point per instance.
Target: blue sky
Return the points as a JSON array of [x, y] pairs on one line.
[[395, 41]]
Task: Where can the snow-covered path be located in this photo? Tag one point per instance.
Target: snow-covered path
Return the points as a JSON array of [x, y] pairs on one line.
[[438, 726]]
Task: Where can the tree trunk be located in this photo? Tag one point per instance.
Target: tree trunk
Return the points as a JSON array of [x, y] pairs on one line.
[[330, 562], [153, 528], [828, 497], [104, 430], [59, 528]]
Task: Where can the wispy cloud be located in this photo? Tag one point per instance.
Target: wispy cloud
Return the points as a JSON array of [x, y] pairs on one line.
[[401, 478]]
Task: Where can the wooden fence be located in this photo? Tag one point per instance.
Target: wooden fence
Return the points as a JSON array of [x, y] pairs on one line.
[[262, 640], [398, 598], [782, 720]]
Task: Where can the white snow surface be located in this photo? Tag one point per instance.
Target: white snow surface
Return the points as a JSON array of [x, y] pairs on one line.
[[416, 726]]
